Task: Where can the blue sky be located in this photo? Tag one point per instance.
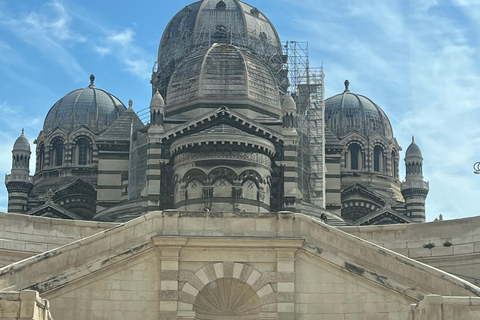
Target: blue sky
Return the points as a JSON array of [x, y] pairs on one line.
[[418, 60]]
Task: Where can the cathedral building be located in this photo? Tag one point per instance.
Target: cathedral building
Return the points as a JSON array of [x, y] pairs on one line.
[[242, 198], [228, 131]]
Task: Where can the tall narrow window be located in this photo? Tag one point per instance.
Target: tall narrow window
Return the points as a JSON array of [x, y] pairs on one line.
[[394, 164], [58, 153], [82, 149], [378, 159], [355, 153]]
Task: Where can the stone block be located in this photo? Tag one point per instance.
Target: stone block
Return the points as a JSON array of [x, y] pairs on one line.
[[14, 245], [168, 305], [188, 288], [442, 251], [286, 307], [463, 248], [419, 253], [169, 285], [120, 295], [264, 291], [286, 287], [36, 247]]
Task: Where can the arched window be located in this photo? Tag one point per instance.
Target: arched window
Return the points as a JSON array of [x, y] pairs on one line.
[[57, 153], [378, 164], [82, 151], [355, 156]]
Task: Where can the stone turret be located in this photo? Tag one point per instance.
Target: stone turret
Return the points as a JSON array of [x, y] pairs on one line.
[[414, 189], [19, 182], [289, 112], [157, 109]]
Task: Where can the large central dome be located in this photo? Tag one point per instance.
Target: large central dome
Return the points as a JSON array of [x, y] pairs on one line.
[[206, 22], [223, 75]]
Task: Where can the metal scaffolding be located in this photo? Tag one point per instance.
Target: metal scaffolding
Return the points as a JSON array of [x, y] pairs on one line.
[[307, 85]]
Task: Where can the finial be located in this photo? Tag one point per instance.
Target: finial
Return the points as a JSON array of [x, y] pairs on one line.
[[347, 84], [23, 131], [130, 103], [92, 80], [413, 139]]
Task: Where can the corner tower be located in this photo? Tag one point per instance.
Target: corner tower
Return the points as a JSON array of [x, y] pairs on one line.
[[19, 182], [414, 189]]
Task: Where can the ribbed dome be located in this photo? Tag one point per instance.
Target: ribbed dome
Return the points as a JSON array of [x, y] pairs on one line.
[[21, 144], [91, 107], [209, 21], [413, 151], [223, 73], [347, 112]]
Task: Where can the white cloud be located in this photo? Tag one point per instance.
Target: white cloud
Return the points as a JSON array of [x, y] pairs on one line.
[[419, 62], [49, 31], [121, 45]]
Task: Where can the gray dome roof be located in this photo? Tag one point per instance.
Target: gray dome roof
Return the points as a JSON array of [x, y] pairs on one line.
[[93, 108], [21, 144], [205, 22], [413, 151], [347, 112], [202, 78]]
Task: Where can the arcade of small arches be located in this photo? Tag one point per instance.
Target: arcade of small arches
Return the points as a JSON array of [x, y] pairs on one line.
[[199, 190]]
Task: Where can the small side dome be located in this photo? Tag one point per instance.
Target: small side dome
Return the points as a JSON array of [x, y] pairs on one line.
[[21, 144], [93, 108], [289, 104], [157, 100], [348, 112], [413, 152]]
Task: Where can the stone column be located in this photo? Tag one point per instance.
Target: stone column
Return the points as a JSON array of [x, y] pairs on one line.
[[286, 283], [169, 269]]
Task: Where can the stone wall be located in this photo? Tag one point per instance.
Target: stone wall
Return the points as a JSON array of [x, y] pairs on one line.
[[456, 243], [169, 264], [23, 236], [23, 305], [435, 307]]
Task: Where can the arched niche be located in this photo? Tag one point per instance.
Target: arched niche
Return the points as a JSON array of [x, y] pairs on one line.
[[227, 290]]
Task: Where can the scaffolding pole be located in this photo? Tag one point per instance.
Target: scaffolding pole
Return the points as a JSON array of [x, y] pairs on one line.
[[307, 84]]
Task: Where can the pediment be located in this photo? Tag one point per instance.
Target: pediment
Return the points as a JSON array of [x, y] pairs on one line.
[[52, 210], [78, 186], [359, 191], [382, 217], [221, 116]]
